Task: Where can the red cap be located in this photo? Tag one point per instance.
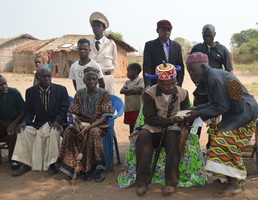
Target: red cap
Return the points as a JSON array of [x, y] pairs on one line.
[[197, 57], [164, 24]]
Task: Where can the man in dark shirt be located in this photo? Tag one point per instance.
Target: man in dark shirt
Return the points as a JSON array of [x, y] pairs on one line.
[[12, 108], [219, 58], [162, 49]]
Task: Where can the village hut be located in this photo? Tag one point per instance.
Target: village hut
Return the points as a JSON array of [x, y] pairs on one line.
[[24, 55], [6, 50], [63, 54]]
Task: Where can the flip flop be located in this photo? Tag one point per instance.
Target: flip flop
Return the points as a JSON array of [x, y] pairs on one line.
[[228, 191]]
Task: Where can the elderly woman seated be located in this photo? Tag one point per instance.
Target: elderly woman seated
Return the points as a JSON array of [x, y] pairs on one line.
[[82, 147]]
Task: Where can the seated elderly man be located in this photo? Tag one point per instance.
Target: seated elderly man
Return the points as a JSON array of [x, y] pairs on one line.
[[160, 103], [11, 113], [38, 141]]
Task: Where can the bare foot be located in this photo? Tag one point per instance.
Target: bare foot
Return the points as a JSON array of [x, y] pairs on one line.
[[228, 191]]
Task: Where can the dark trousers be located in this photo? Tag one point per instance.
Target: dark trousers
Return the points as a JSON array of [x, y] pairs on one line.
[[10, 139], [145, 144]]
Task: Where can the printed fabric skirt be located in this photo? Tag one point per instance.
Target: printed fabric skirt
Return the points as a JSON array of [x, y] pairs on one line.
[[91, 150], [224, 155], [191, 168]]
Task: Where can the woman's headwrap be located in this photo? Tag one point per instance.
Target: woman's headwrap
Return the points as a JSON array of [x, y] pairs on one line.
[[164, 71], [91, 70]]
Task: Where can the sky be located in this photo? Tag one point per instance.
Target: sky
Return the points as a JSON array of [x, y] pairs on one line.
[[135, 19]]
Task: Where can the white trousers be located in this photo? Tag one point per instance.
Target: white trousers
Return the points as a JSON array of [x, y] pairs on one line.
[[37, 148]]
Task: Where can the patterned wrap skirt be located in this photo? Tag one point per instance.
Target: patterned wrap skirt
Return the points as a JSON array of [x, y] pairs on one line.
[[224, 155]]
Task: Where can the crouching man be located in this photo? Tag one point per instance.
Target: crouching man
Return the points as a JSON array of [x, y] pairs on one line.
[[38, 138]]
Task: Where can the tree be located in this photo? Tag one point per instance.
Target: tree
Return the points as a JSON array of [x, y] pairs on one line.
[[116, 35], [243, 37], [185, 44], [245, 46]]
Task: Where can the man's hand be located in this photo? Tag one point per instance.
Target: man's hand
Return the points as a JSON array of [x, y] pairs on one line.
[[176, 119], [192, 115], [84, 131], [21, 127], [12, 129], [56, 125]]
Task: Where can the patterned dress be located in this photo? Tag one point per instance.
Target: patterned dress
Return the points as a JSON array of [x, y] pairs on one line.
[[90, 108]]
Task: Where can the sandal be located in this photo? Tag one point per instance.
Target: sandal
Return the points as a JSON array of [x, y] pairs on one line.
[[228, 191], [168, 190]]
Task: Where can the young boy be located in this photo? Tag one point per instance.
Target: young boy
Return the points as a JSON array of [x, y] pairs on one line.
[[39, 62], [77, 68], [132, 89]]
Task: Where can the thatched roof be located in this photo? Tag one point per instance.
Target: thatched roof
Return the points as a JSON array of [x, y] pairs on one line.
[[5, 41], [122, 43], [65, 43], [31, 46], [69, 43]]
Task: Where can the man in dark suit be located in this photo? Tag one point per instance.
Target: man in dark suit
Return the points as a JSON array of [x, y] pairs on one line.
[[162, 49], [38, 141]]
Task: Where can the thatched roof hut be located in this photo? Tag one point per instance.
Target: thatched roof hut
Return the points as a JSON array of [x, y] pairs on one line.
[[24, 55], [63, 54], [6, 49]]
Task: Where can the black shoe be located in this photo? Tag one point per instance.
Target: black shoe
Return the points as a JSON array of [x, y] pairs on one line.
[[100, 176], [89, 177], [15, 165], [52, 169], [21, 170], [142, 190]]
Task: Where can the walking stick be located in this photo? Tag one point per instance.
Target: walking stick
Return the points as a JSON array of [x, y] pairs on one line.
[[164, 131]]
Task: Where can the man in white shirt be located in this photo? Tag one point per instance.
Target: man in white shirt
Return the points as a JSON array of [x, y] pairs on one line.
[[103, 50], [77, 68]]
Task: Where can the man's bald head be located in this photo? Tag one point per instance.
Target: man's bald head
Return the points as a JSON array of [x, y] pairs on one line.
[[209, 27]]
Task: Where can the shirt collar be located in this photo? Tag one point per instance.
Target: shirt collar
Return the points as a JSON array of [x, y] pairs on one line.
[[159, 92], [47, 89], [167, 42], [100, 40]]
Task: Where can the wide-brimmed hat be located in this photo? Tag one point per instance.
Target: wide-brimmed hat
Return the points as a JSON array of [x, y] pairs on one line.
[[97, 16]]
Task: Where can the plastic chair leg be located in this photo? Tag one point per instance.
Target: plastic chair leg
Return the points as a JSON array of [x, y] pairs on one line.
[[108, 151], [117, 151]]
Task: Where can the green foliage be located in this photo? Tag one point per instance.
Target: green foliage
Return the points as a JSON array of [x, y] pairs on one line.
[[115, 34], [245, 46], [238, 39], [185, 44], [250, 47]]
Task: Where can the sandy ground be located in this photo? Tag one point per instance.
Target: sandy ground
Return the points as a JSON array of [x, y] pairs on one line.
[[40, 185]]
